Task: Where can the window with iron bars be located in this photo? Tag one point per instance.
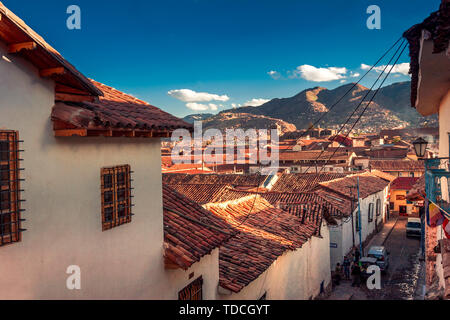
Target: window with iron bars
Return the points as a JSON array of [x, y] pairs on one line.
[[116, 196], [10, 200], [193, 291]]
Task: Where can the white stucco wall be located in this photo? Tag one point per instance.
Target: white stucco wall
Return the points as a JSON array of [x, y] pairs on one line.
[[64, 208], [296, 275], [369, 227], [342, 236], [207, 267], [336, 248]]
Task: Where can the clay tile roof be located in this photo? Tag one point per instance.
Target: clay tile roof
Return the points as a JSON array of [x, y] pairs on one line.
[[403, 183], [116, 110], [187, 236], [313, 155], [383, 175], [368, 184], [338, 200], [342, 140], [396, 165], [248, 180], [265, 234], [417, 191], [445, 251], [438, 25], [200, 193], [390, 153], [15, 30], [303, 182], [300, 203]]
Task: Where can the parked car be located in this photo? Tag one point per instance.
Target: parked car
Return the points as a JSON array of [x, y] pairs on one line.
[[414, 227], [381, 255], [365, 263]]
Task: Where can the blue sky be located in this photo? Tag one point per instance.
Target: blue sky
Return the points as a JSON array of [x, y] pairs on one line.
[[223, 50]]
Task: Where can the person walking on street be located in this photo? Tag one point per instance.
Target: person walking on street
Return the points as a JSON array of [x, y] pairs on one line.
[[356, 275], [346, 266], [356, 255], [338, 274]]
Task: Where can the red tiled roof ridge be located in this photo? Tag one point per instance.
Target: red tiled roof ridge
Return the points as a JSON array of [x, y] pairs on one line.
[[346, 177], [223, 204], [115, 110], [190, 231], [121, 93]]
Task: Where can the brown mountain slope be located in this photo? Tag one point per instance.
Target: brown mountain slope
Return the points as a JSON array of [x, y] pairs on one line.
[[391, 107]]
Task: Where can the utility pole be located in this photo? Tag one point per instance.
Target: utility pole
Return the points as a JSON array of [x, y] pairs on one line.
[[360, 222], [352, 200]]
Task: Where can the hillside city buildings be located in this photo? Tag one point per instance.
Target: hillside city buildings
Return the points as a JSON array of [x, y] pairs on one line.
[[103, 192]]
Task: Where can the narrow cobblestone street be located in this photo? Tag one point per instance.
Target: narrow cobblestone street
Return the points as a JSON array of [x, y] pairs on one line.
[[404, 278]]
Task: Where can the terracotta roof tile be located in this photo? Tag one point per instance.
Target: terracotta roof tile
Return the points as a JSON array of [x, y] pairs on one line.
[[248, 180], [418, 190], [303, 182], [265, 234], [397, 165], [338, 200], [186, 235], [383, 175], [116, 110], [313, 155], [300, 203], [403, 183], [368, 184]]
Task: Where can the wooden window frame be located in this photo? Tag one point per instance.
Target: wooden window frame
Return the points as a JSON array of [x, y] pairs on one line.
[[112, 199], [10, 216], [193, 291]]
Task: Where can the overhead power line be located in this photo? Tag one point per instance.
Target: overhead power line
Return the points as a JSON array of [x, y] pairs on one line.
[[368, 104], [359, 104]]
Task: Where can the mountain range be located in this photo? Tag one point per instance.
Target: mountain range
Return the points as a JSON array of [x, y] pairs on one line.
[[391, 108]]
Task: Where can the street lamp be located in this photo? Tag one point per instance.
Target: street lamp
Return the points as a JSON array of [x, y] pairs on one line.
[[420, 146]]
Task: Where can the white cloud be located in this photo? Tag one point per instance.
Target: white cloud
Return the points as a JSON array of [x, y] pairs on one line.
[[203, 107], [255, 102], [235, 105], [402, 68], [312, 73], [355, 75], [342, 81], [274, 74], [187, 95]]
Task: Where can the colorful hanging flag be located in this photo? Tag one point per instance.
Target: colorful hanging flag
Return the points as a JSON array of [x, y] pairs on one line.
[[435, 217]]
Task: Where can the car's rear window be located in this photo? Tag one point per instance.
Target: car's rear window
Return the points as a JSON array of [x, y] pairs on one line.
[[413, 225], [376, 256]]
